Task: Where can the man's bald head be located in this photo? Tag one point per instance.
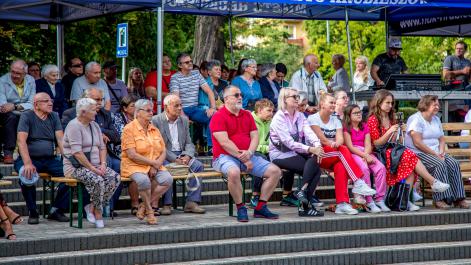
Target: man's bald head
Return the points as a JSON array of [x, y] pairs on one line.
[[311, 63], [95, 94], [42, 103], [41, 96]]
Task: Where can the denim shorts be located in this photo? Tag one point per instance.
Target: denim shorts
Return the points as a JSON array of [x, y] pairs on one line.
[[225, 162]]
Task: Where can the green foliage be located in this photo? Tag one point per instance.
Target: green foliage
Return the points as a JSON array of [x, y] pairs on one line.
[[95, 39], [272, 46], [423, 55]]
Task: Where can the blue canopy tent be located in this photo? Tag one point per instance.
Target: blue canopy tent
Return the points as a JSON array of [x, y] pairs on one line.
[[63, 11]]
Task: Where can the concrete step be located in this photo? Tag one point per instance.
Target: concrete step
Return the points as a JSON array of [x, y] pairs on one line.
[[362, 255], [442, 262], [126, 231], [385, 240], [207, 198]]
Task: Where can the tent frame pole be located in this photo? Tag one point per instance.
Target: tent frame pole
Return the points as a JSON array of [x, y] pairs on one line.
[[230, 40], [349, 53], [59, 45], [160, 22]]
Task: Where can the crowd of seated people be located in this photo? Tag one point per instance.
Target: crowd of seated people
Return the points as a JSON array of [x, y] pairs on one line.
[[97, 129]]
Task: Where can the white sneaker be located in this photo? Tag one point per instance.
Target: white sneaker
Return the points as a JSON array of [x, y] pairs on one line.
[[345, 208], [416, 196], [439, 186], [362, 188], [90, 215], [372, 208], [359, 199], [99, 223], [412, 207], [383, 206]]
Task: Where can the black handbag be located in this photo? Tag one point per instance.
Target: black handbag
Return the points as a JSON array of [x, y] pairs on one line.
[[396, 152], [75, 163], [397, 197]]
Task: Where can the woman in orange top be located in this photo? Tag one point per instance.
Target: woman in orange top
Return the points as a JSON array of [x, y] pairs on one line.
[[143, 153]]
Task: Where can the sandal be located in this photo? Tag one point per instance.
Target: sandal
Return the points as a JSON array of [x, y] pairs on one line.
[[8, 225], [140, 214], [150, 218], [17, 220], [133, 210]]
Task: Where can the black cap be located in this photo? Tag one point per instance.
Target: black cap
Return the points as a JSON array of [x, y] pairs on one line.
[[109, 64]]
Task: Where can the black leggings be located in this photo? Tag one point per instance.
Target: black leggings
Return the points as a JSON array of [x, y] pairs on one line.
[[305, 166]]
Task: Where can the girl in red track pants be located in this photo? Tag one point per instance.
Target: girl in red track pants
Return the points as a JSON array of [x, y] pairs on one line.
[[340, 161]]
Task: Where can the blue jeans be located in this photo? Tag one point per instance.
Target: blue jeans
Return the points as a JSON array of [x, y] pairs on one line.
[[193, 196], [51, 166], [198, 114]]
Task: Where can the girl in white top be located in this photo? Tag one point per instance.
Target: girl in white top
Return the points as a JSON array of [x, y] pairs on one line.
[[337, 157]]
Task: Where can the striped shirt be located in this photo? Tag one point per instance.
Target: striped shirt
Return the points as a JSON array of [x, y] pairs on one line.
[[187, 86]]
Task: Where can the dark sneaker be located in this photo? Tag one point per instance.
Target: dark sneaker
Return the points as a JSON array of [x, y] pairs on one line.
[[254, 201], [301, 195], [58, 216], [290, 200], [33, 218], [316, 202], [242, 215], [265, 213], [309, 212]]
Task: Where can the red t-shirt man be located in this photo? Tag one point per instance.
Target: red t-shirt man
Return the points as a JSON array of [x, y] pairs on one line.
[[238, 129]]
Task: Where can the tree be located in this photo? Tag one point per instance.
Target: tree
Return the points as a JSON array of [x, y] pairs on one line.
[[209, 39]]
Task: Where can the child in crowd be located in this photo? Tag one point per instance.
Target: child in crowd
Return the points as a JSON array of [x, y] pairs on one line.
[[357, 138], [262, 114]]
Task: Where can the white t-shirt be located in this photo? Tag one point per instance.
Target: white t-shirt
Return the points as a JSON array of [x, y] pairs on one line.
[[431, 132], [329, 129]]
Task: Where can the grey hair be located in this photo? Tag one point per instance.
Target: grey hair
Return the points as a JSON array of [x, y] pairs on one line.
[[227, 89], [84, 104], [267, 68], [246, 63], [89, 66], [212, 63], [88, 91], [19, 61], [282, 96], [48, 68], [302, 96], [140, 104], [169, 98]]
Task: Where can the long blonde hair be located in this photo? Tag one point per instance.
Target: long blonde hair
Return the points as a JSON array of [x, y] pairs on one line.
[[366, 71], [136, 87]]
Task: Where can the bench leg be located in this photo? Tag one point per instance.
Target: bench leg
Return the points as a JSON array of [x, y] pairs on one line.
[[231, 205], [183, 193], [44, 197], [175, 195], [80, 204], [422, 186], [242, 179], [71, 205]]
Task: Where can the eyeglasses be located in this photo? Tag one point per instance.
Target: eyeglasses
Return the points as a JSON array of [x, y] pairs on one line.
[[46, 100], [77, 65], [187, 62], [236, 95], [253, 67], [34, 70], [147, 110], [357, 113], [296, 97]]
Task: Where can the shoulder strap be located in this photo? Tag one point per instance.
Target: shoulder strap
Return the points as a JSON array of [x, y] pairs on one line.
[[112, 92]]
